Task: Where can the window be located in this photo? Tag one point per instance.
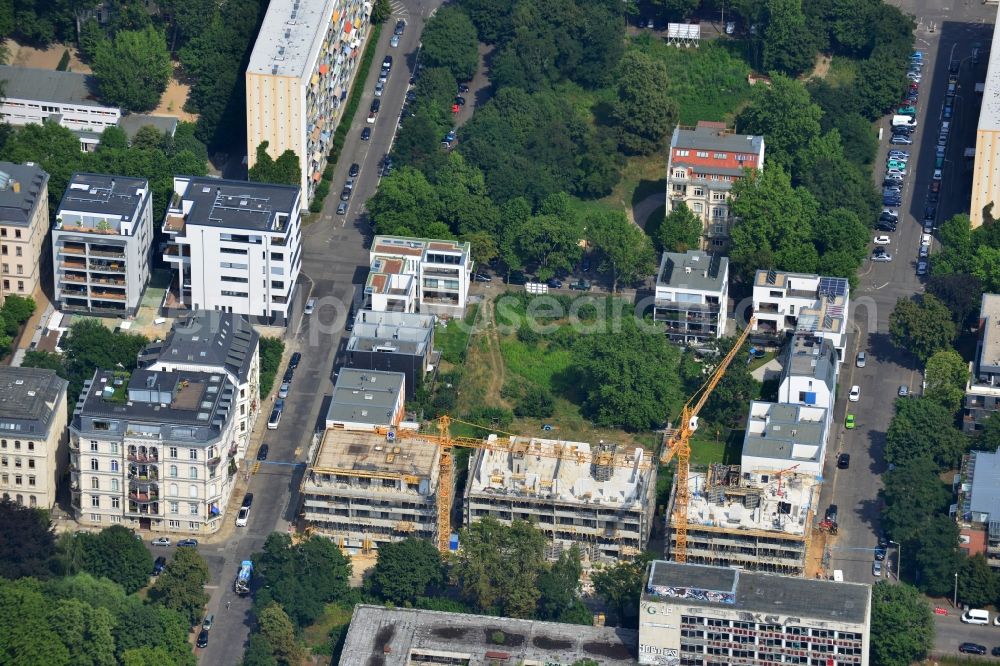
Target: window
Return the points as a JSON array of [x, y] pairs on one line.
[[93, 464], [18, 480], [173, 451], [174, 524], [114, 484], [31, 446], [20, 268], [682, 153], [193, 454], [175, 507], [5, 478], [95, 517], [114, 465], [95, 483], [720, 156], [173, 489], [115, 519], [680, 173], [192, 490], [31, 463], [193, 525], [193, 508], [699, 192], [173, 471], [3, 461], [230, 278], [116, 503], [95, 501], [697, 207], [193, 472], [702, 153], [3, 443], [18, 251], [114, 447]]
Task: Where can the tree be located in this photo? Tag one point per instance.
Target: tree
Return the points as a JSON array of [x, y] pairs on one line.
[[902, 627], [133, 69], [629, 376], [284, 171], [626, 252], [676, 10], [181, 585], [922, 427], [406, 570], [44, 359], [789, 45], [405, 204], [465, 204], [498, 566], [922, 325], [557, 585], [977, 584], [17, 309], [784, 113], [27, 543], [938, 557], [620, 586], [549, 239], [881, 80], [259, 652], [912, 495], [945, 377], [449, 40], [116, 554], [491, 17], [276, 628], [141, 625], [644, 111], [680, 230], [27, 633]]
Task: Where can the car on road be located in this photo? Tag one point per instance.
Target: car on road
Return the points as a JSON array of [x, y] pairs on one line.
[[243, 516], [901, 171], [262, 451], [933, 197], [462, 88], [844, 461], [554, 283], [376, 106], [203, 638], [899, 153], [283, 389], [895, 164], [366, 133], [907, 111], [580, 285], [885, 226], [161, 541], [371, 118], [889, 218], [460, 100], [187, 543], [901, 140], [345, 194], [937, 174], [310, 306], [289, 374], [274, 419], [903, 391], [879, 554], [342, 208], [208, 622], [855, 393], [394, 41], [995, 652], [400, 27], [294, 360], [849, 422], [877, 569], [247, 500], [831, 513], [882, 258], [923, 252], [387, 62], [379, 89], [861, 359], [354, 170], [881, 240], [925, 240], [972, 648], [159, 565], [946, 113], [481, 277], [921, 268]]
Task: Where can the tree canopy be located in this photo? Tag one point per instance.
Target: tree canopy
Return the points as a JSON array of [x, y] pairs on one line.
[[406, 570], [626, 252], [116, 554], [945, 377], [27, 542], [923, 428], [789, 45], [284, 171], [449, 40], [133, 69], [181, 586], [902, 627], [921, 325], [644, 112], [680, 230], [784, 113]]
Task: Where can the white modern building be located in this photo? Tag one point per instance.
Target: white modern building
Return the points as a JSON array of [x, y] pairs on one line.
[[154, 450], [809, 372], [442, 270], [366, 400], [101, 242], [234, 246], [798, 302], [299, 76], [692, 296], [211, 341], [696, 615], [782, 437], [982, 390]]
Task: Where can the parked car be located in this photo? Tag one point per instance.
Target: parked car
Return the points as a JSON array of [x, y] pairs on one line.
[[849, 422], [580, 285], [972, 648], [460, 100], [831, 513], [855, 394], [462, 88], [341, 209], [899, 140], [289, 374], [861, 359], [203, 638], [274, 419], [284, 389], [481, 277], [921, 268], [400, 27], [907, 111], [895, 164], [247, 500], [899, 153], [366, 133], [159, 565], [844, 461], [161, 541], [903, 391], [208, 622], [933, 197], [881, 240], [394, 41], [187, 543], [946, 113], [879, 554], [262, 451], [243, 516], [882, 258], [877, 569], [885, 226], [936, 175]]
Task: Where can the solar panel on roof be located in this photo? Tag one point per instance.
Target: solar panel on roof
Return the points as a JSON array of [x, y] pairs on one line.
[[833, 286]]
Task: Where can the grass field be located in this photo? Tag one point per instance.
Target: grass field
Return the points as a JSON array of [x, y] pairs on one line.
[[453, 338]]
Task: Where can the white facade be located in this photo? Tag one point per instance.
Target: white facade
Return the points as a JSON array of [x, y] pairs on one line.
[[785, 437], [442, 268], [366, 400], [235, 246], [692, 296], [799, 302]]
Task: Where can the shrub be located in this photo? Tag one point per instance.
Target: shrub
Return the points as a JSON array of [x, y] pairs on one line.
[[537, 402]]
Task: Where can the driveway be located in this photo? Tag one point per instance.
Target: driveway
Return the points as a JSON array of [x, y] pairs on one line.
[[642, 210]]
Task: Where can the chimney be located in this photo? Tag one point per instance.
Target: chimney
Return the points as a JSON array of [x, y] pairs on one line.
[[15, 185]]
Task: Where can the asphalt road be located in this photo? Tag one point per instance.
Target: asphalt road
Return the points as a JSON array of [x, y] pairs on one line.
[[335, 261], [943, 33]]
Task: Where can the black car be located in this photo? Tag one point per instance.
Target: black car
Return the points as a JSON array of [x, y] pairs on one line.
[[885, 226], [289, 373], [883, 541], [933, 197], [831, 513], [187, 543], [366, 133], [481, 277], [462, 88], [247, 500], [294, 361], [355, 170], [376, 105], [203, 638], [400, 27], [995, 652], [972, 648], [387, 62], [460, 100], [159, 565], [843, 461], [879, 554], [555, 283], [262, 452], [345, 194]]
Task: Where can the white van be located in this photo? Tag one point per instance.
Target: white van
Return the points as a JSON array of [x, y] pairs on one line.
[[838, 575], [909, 121], [976, 616]]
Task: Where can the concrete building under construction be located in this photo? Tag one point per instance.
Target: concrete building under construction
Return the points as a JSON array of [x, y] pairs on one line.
[[601, 498], [758, 520], [365, 488]]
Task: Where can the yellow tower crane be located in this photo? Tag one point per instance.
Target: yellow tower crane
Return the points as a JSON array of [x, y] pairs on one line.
[[513, 444], [678, 442]]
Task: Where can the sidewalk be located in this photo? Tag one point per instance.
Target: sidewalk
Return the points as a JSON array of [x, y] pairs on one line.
[[33, 328]]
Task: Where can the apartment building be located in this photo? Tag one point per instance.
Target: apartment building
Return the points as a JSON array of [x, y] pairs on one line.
[[756, 519], [809, 372], [704, 162], [24, 227], [366, 400], [33, 440], [982, 389], [362, 488], [154, 450], [299, 76], [392, 342], [978, 505], [785, 436], [986, 167], [600, 498], [798, 302], [211, 341], [100, 244], [388, 288], [442, 269], [692, 296], [406, 636], [234, 246], [695, 615]]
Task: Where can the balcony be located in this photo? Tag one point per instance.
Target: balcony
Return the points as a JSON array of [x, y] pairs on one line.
[[143, 496], [107, 296], [767, 308], [107, 252], [141, 454], [144, 508], [106, 267]]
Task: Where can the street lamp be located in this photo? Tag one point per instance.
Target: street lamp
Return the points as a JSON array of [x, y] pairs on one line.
[[899, 562], [954, 599]]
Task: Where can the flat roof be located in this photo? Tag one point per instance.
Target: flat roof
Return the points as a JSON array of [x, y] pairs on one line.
[[402, 636], [698, 585], [809, 355], [104, 194], [237, 204], [693, 269], [207, 338], [21, 187], [290, 37], [134, 122], [781, 431], [48, 85], [365, 396], [989, 315], [416, 247], [28, 398], [710, 137], [373, 453], [984, 496], [545, 468], [989, 113], [398, 332]]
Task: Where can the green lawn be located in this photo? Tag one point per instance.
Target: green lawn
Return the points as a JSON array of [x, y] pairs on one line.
[[453, 339], [540, 364]]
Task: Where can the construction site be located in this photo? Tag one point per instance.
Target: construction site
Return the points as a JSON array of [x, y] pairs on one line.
[[599, 498], [758, 520], [366, 488]]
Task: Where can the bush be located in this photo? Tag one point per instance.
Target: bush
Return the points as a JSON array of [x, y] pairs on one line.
[[537, 402], [527, 335], [491, 417], [63, 61], [271, 351]]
